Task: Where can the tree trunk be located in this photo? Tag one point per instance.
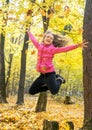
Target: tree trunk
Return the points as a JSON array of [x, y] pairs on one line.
[[50, 125], [42, 100], [13, 90], [2, 70], [20, 99], [8, 74], [87, 66], [9, 69], [2, 62], [68, 100]]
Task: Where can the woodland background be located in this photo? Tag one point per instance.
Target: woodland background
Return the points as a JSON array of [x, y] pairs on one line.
[[65, 18], [61, 16]]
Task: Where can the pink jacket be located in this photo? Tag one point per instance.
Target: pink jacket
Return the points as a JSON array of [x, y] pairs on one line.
[[46, 54]]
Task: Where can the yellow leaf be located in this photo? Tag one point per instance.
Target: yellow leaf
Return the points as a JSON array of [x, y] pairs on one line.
[[33, 52], [57, 7], [43, 13]]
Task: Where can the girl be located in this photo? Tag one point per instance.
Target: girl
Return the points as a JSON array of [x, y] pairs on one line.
[[51, 45]]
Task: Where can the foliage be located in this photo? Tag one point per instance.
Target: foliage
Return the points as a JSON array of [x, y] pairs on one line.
[[14, 117], [65, 18]]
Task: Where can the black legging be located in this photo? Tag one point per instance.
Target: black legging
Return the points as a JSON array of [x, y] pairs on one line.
[[45, 82]]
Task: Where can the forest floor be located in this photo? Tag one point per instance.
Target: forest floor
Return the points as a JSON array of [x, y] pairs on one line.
[[24, 117]]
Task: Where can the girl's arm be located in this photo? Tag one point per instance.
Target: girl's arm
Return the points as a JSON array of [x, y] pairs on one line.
[[69, 48], [33, 39]]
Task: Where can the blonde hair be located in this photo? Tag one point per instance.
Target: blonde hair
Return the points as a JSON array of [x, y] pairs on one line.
[[59, 40], [47, 32]]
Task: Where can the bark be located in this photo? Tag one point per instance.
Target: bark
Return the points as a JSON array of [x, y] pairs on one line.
[[2, 71], [50, 125], [20, 99], [71, 125], [42, 102], [87, 66], [8, 73], [68, 100], [2, 64]]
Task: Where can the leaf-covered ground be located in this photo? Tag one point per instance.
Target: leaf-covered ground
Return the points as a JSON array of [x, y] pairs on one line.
[[23, 117]]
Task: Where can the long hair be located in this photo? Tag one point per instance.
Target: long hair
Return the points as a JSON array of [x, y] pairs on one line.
[[59, 40]]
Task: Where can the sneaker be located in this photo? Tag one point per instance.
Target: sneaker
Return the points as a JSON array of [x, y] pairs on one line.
[[58, 77]]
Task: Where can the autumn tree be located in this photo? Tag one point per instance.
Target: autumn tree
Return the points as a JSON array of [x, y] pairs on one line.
[[2, 55], [87, 66], [20, 99], [2, 71]]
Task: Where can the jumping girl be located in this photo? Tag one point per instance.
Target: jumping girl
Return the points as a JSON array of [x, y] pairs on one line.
[[51, 45]]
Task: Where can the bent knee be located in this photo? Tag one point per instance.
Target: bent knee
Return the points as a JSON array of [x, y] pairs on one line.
[[31, 92]]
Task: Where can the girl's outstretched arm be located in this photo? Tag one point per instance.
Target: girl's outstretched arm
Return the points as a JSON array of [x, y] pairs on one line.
[[69, 48], [33, 39]]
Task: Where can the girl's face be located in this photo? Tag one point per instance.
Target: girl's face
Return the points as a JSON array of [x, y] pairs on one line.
[[48, 39]]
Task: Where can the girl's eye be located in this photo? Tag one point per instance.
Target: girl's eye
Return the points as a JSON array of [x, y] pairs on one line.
[[50, 37]]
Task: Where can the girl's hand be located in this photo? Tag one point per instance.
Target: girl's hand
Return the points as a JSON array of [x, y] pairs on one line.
[[28, 29], [83, 44]]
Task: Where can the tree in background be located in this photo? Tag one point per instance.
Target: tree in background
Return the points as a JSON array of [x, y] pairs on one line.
[[20, 99], [87, 66], [2, 56]]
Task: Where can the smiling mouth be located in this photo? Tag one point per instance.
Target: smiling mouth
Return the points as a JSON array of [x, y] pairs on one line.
[[48, 41]]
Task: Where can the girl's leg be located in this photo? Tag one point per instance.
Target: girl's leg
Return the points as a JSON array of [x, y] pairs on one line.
[[38, 86], [52, 83]]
